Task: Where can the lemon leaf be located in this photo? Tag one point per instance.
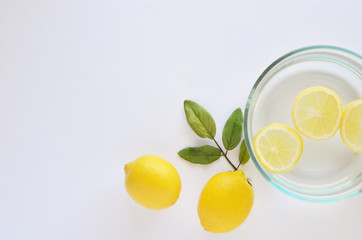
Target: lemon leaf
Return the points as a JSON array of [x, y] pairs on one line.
[[201, 155], [199, 120], [243, 154], [231, 134]]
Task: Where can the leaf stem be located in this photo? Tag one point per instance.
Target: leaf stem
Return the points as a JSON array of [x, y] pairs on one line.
[[225, 155], [238, 165]]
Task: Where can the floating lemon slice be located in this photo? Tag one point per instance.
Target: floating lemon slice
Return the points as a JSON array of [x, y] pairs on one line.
[[278, 147], [317, 113], [351, 126]]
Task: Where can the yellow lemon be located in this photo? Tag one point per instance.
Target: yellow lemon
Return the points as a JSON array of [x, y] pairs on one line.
[[225, 202], [317, 113], [152, 182], [278, 147], [351, 126]]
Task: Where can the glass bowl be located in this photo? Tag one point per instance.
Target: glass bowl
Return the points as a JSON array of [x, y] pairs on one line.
[[328, 170]]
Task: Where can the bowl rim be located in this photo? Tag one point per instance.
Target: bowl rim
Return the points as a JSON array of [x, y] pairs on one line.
[[246, 116]]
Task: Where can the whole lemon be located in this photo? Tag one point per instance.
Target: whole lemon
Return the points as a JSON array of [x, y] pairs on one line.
[[152, 182], [225, 202]]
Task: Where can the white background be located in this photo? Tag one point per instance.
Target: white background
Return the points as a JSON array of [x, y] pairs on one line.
[[86, 86]]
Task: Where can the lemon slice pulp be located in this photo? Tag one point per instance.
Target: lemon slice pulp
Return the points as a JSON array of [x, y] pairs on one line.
[[317, 113], [278, 147], [351, 126]]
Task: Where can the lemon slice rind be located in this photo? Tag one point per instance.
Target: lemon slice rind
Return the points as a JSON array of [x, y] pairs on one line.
[[288, 141], [308, 115], [344, 127]]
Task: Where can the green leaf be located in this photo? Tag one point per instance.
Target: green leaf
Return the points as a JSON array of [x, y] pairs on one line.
[[231, 134], [200, 120], [243, 154], [202, 155]]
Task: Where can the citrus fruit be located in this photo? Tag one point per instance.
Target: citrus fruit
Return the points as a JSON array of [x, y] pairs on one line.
[[225, 202], [152, 182], [317, 113], [278, 147], [351, 126]]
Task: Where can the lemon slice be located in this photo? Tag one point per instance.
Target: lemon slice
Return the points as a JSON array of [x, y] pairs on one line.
[[317, 113], [351, 126], [278, 147]]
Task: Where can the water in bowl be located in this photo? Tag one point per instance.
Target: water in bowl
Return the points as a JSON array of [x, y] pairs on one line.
[[324, 164]]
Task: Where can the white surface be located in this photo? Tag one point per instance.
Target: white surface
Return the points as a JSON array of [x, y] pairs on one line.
[[86, 86]]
